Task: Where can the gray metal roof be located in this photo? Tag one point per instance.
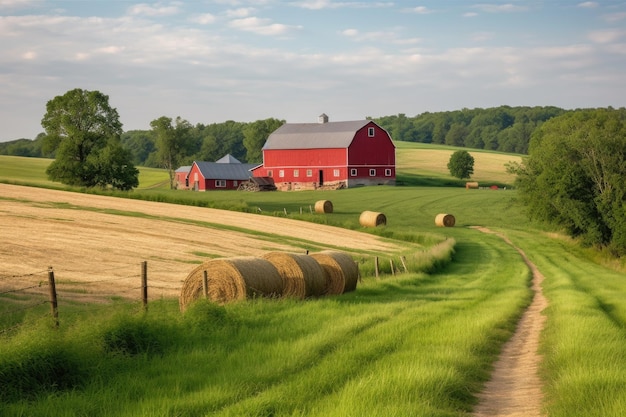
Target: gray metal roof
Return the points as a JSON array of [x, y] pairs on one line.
[[314, 135], [185, 168], [225, 171], [228, 159]]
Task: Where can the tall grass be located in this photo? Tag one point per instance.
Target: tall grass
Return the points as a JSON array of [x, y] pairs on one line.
[[412, 344], [584, 342]]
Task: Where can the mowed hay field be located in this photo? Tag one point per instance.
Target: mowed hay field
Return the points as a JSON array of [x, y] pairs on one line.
[[96, 239]]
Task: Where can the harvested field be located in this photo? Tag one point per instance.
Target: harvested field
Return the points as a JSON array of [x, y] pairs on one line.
[[96, 244]]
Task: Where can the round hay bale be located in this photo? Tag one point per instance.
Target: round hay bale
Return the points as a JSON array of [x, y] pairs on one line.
[[342, 273], [302, 276], [231, 279], [372, 219], [323, 206], [445, 220]]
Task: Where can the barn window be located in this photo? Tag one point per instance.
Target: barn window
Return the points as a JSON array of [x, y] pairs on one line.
[[220, 183], [269, 173], [296, 173], [336, 172], [370, 132], [372, 172], [387, 172], [235, 183], [281, 173], [309, 172], [353, 172]]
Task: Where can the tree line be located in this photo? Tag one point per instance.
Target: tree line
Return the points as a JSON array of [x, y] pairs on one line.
[[504, 128]]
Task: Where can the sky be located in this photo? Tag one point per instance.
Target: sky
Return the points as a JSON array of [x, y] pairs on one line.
[[246, 60]]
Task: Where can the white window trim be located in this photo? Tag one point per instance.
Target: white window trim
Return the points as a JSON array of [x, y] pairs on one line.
[[370, 132], [281, 173], [336, 173], [220, 183], [372, 172], [387, 172], [309, 172], [353, 172], [296, 173]]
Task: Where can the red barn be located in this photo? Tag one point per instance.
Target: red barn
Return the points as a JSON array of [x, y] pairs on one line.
[[328, 155], [225, 174]]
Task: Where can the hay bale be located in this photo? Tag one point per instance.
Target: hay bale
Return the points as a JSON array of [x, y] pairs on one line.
[[302, 276], [445, 220], [342, 273], [323, 206], [231, 279], [372, 219], [472, 184]]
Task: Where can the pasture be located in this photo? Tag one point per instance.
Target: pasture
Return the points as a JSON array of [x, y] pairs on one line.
[[413, 344]]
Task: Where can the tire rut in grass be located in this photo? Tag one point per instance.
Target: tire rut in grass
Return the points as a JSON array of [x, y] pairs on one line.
[[514, 389]]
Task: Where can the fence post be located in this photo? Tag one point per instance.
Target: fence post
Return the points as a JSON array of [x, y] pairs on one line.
[[205, 285], [144, 284], [393, 271], [376, 266], [403, 260], [53, 297]]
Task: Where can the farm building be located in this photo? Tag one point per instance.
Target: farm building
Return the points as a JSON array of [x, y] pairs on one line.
[[226, 173], [328, 155], [181, 176]]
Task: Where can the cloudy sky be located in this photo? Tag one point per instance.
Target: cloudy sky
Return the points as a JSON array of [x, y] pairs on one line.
[[245, 60]]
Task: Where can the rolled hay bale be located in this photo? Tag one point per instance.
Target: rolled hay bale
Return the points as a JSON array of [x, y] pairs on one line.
[[323, 206], [372, 219], [342, 273], [445, 220], [302, 276], [231, 279]]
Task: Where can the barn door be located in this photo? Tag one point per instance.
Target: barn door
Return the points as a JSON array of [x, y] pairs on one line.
[[321, 177]]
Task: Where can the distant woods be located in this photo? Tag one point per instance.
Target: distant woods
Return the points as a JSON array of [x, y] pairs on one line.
[[505, 129]]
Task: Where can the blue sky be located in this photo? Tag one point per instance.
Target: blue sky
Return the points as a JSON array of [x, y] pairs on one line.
[[212, 61]]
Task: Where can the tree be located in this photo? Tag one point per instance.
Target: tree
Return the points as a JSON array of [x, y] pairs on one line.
[[79, 126], [574, 176], [173, 143], [461, 164], [254, 137]]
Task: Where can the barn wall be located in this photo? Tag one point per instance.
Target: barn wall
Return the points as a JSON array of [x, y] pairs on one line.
[[377, 150]]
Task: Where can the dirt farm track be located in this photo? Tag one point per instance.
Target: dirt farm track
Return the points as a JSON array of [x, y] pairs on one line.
[[96, 244]]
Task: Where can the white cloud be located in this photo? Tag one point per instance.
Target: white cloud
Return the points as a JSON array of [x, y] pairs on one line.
[[588, 4], [500, 8], [262, 26], [329, 4], [144, 9], [204, 19], [419, 10], [606, 36], [240, 12]]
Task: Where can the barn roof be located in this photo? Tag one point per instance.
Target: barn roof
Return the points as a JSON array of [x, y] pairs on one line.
[[185, 169], [224, 171], [228, 159], [314, 135]]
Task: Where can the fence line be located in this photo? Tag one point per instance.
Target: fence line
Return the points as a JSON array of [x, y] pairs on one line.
[[56, 292]]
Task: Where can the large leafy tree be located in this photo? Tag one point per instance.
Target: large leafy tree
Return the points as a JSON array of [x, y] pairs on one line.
[[254, 136], [575, 176], [80, 125], [461, 164], [173, 143]]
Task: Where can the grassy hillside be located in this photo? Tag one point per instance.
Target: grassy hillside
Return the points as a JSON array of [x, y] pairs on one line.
[[405, 345]]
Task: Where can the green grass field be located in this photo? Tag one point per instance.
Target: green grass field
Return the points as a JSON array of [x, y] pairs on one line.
[[409, 345]]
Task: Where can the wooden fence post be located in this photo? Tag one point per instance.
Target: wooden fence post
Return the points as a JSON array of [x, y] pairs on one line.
[[393, 271], [205, 284], [144, 284], [403, 260], [53, 297], [376, 266]]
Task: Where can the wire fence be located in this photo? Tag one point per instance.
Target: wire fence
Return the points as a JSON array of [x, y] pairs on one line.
[[29, 291]]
